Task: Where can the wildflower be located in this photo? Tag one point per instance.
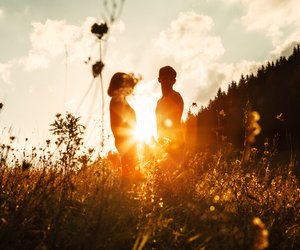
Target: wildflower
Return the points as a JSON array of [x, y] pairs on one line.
[[222, 113], [216, 198], [25, 165], [99, 30], [280, 117], [237, 162], [254, 150], [212, 208], [97, 68], [253, 127], [252, 130], [161, 203], [3, 220], [262, 241]]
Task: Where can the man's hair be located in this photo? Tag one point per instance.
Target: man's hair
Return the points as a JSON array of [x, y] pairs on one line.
[[167, 71]]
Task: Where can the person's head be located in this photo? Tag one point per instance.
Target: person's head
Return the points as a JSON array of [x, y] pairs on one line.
[[167, 77], [120, 83], [167, 71]]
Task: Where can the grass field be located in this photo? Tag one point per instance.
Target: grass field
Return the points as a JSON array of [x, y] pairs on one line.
[[210, 201]]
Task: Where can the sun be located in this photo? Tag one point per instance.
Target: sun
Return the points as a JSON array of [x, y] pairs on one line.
[[144, 131], [144, 107], [146, 125]]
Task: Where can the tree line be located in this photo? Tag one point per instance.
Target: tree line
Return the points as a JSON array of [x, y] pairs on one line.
[[273, 92]]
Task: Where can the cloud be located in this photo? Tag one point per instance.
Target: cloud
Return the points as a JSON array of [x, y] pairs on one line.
[[286, 48], [269, 15], [5, 69], [279, 18], [1, 12], [49, 40], [55, 38], [190, 43], [216, 75], [200, 71], [189, 36]]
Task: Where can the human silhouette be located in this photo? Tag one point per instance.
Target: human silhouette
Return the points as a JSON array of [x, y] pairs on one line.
[[123, 121], [169, 110]]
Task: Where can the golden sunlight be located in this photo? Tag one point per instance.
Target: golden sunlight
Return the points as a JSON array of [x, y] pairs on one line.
[[144, 106], [146, 125]]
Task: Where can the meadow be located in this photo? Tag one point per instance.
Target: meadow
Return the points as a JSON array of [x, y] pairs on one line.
[[63, 199]]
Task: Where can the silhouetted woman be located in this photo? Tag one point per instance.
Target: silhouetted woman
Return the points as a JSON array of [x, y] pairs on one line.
[[123, 120]]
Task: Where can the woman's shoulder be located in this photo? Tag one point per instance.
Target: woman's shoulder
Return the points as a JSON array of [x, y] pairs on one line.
[[115, 103]]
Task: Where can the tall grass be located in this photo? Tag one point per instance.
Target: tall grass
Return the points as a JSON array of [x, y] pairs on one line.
[[210, 201]]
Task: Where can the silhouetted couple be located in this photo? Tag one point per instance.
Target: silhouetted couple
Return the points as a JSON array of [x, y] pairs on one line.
[[123, 119]]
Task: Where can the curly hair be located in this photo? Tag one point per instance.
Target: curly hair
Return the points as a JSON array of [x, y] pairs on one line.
[[120, 80]]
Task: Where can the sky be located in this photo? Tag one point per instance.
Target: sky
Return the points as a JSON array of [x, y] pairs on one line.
[[47, 51]]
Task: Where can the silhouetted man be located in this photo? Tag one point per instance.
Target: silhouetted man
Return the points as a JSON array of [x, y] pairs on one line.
[[168, 113]]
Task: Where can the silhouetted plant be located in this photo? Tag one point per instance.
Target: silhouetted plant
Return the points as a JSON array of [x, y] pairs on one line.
[[69, 133], [252, 129], [112, 10], [99, 29]]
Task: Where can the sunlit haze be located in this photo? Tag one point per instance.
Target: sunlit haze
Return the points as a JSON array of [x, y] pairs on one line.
[[144, 104]]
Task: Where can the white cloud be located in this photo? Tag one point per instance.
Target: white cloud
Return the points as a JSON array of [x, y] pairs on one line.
[[36, 60], [270, 15], [190, 43], [189, 36], [5, 69], [216, 75], [286, 48], [275, 17], [48, 41], [1, 12], [55, 38]]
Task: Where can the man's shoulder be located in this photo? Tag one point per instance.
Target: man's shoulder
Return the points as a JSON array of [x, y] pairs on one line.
[[176, 96], [162, 99], [175, 93]]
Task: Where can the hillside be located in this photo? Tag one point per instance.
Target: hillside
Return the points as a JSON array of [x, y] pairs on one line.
[[274, 92]]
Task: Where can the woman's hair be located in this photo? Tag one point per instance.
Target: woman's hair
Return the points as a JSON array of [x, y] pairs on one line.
[[115, 83], [120, 80]]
